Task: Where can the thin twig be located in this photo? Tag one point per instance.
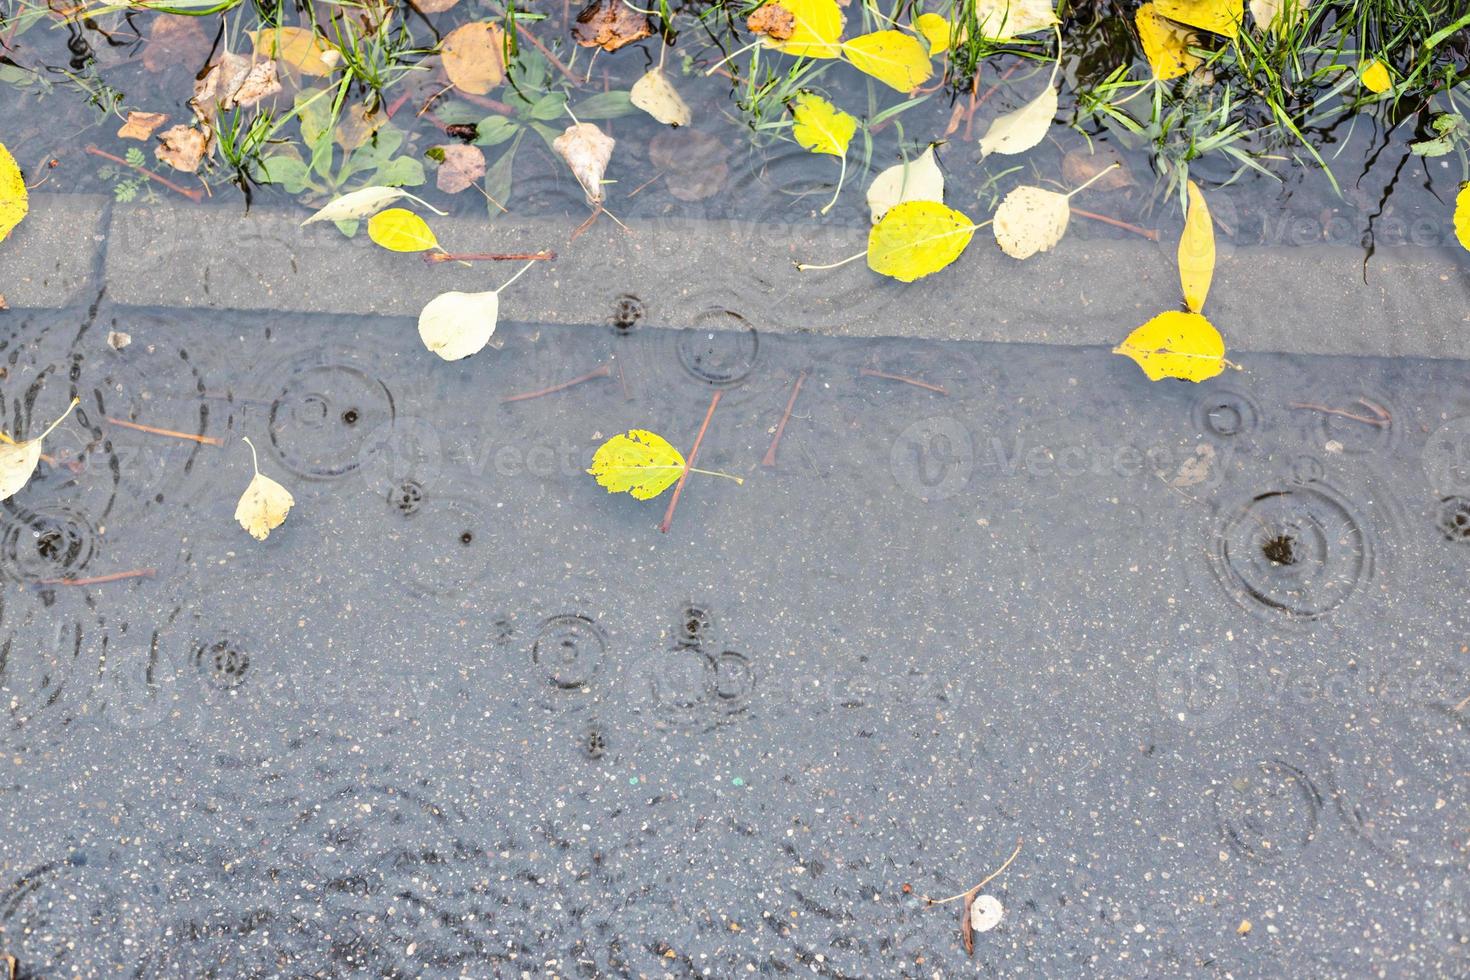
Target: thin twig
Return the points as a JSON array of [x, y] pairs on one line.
[[967, 931], [555, 61], [101, 579], [542, 256], [873, 373], [693, 454], [602, 372], [188, 192], [1381, 422], [1151, 234], [983, 882], [207, 440], [770, 459], [1462, 704]]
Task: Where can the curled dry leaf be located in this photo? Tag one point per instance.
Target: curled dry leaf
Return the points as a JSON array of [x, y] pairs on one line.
[[656, 95], [181, 147], [1221, 17], [18, 459], [1176, 345], [1005, 20], [474, 57], [233, 81], [919, 179], [15, 199], [264, 504], [174, 39], [610, 24], [461, 168], [1030, 220], [587, 150], [1020, 130], [694, 163], [1102, 166], [141, 125], [773, 21]]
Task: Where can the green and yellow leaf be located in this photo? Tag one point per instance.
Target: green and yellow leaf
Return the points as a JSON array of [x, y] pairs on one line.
[[917, 239], [898, 60], [1176, 345], [637, 462]]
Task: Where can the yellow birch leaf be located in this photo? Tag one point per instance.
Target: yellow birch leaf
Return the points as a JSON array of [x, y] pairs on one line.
[[264, 504], [898, 60], [1221, 17], [18, 459], [296, 47], [816, 28], [820, 126], [474, 56], [15, 201], [638, 462], [1462, 217], [1375, 77], [1165, 44], [400, 230], [1005, 20], [1196, 251], [916, 239], [1176, 345], [935, 30]]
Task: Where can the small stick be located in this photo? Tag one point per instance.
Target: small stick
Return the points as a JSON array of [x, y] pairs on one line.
[[190, 193], [1151, 234], [967, 931], [601, 372], [770, 459], [576, 82], [101, 579], [871, 373], [206, 440], [693, 454], [504, 108], [1381, 422], [542, 256], [1461, 705]]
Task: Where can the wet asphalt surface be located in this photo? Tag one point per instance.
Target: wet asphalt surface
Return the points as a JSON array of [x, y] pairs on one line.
[[466, 714]]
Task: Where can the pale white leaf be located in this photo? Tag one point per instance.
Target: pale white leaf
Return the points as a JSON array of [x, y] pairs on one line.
[[587, 150], [1019, 131], [919, 179], [656, 95], [455, 325], [986, 913], [1030, 220]]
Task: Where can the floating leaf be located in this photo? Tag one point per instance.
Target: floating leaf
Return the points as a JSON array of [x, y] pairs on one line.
[[656, 95], [1165, 44], [986, 913], [400, 230], [1196, 251], [1375, 77], [935, 30], [638, 462], [917, 239], [816, 28], [1004, 20], [363, 203], [18, 459], [141, 125], [898, 60], [1462, 217], [455, 325], [264, 504], [610, 24], [1221, 17], [297, 47], [918, 179], [1020, 130], [474, 56], [1176, 345], [587, 150], [1030, 220], [15, 200], [820, 126]]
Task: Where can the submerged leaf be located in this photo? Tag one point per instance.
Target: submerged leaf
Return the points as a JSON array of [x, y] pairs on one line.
[[610, 24], [820, 126], [474, 56], [1278, 15], [815, 31], [898, 60], [357, 205], [1165, 44], [141, 125], [638, 462], [296, 47], [656, 95], [916, 239], [1176, 345], [1196, 251], [587, 150], [15, 200], [918, 179], [400, 230], [455, 325], [1004, 20], [1221, 17], [461, 168], [1030, 220], [181, 147], [1020, 130]]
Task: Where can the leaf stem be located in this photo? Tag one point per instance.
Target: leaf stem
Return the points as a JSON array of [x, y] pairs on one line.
[[1095, 177], [52, 427], [254, 462], [803, 267], [728, 476], [524, 269]]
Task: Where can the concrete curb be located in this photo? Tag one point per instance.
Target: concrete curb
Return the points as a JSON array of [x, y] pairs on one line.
[[1307, 300]]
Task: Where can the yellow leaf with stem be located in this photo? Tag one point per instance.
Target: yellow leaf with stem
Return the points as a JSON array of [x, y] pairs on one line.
[[1196, 251], [641, 463], [18, 459], [400, 230], [917, 239], [1176, 345], [823, 128], [898, 60], [14, 198], [1165, 44], [264, 504]]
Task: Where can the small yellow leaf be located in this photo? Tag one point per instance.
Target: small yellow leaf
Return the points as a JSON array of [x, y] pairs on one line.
[[1030, 220], [400, 230], [1165, 44], [1221, 17], [898, 60], [1196, 251], [474, 56], [655, 95], [15, 200], [264, 504], [1375, 77], [638, 462], [1176, 345], [18, 459], [1462, 217], [919, 179], [297, 47], [820, 126], [935, 30], [1020, 130], [1005, 20], [916, 239], [817, 27]]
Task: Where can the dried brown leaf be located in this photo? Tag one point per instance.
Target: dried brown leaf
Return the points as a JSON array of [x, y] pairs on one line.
[[610, 24], [773, 21], [433, 6], [141, 125], [462, 167], [181, 147]]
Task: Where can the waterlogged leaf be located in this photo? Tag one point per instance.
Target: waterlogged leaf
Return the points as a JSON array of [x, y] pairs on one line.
[[898, 60], [587, 150], [1165, 44], [15, 200], [1221, 17], [1004, 20], [1375, 77], [655, 95], [264, 504], [358, 204], [693, 163], [400, 230], [1196, 251], [918, 179], [461, 167], [474, 57], [296, 47], [820, 126], [1100, 165], [1030, 220], [815, 31], [18, 459], [917, 239], [1462, 217], [610, 24], [181, 147], [141, 125], [1020, 130], [935, 30], [637, 462], [433, 6], [1176, 345], [456, 325]]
